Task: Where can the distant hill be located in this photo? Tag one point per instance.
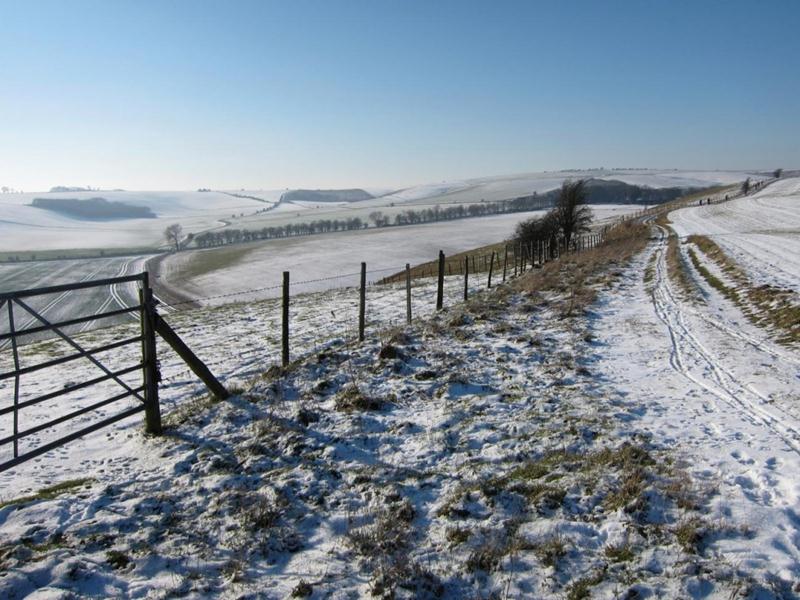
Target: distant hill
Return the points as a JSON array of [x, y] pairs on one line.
[[60, 189], [611, 191], [352, 195], [94, 209]]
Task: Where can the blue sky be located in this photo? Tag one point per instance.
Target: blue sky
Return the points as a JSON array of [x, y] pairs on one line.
[[239, 94]]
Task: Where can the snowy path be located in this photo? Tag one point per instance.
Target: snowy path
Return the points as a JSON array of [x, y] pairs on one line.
[[720, 391], [761, 232]]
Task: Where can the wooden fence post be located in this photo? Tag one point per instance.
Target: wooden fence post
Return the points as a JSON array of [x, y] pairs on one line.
[[491, 269], [195, 364], [466, 278], [440, 283], [362, 302], [505, 262], [152, 409], [516, 258], [408, 293], [285, 321]]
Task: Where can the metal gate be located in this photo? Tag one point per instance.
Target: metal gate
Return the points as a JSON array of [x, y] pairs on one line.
[[17, 307]]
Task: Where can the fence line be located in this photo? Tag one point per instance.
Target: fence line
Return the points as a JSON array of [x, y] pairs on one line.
[[385, 301]]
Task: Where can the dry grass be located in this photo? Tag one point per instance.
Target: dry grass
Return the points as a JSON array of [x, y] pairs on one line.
[[479, 259], [676, 269], [576, 275], [765, 305]]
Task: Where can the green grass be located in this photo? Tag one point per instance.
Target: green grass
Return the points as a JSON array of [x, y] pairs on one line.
[[203, 262], [51, 492]]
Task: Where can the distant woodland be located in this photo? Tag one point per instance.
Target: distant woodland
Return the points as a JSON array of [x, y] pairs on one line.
[[94, 209]]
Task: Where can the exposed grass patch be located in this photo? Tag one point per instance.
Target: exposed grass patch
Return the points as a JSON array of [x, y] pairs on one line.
[[578, 276], [582, 588], [712, 280], [765, 305], [677, 270], [549, 551], [51, 492], [117, 559], [457, 535], [689, 534], [351, 399], [622, 552]]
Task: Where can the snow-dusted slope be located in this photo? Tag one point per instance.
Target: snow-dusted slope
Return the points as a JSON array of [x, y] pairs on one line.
[[761, 232], [24, 227]]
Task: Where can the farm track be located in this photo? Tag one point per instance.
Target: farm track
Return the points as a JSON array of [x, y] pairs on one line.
[[694, 360]]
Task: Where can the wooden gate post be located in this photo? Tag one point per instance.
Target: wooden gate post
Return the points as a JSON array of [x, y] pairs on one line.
[[466, 278], [152, 409], [285, 321], [408, 293], [362, 302], [491, 269], [440, 283]]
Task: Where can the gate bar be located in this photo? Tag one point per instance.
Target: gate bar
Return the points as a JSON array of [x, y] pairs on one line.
[[65, 359], [67, 323], [77, 346], [66, 287], [67, 417], [72, 388], [73, 436]]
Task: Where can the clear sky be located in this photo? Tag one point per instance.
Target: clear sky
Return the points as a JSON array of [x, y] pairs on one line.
[[257, 94]]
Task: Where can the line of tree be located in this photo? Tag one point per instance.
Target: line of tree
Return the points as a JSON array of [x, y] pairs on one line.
[[596, 191], [223, 237]]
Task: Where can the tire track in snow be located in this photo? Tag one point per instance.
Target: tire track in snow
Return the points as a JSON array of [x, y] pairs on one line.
[[713, 377]]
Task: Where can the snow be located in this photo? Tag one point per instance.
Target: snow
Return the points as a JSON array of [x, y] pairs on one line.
[[23, 227], [723, 394], [335, 258], [761, 232], [282, 484]]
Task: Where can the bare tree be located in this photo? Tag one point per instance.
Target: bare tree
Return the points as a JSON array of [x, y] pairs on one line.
[[571, 213], [777, 173], [173, 235], [746, 186]]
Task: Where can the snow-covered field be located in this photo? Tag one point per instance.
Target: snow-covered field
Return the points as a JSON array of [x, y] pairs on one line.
[[478, 455], [74, 304], [25, 228], [333, 260], [761, 232]]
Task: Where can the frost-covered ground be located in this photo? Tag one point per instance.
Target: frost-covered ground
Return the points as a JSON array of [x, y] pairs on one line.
[[511, 448], [236, 341], [761, 232], [480, 454], [724, 395]]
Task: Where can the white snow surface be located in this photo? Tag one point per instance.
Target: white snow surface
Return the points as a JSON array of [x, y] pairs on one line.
[[333, 260], [23, 227], [723, 394], [761, 232], [472, 397]]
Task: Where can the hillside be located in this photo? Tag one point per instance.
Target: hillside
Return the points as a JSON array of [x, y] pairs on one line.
[[593, 428]]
